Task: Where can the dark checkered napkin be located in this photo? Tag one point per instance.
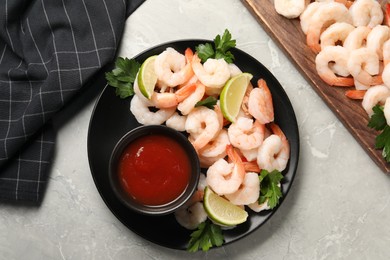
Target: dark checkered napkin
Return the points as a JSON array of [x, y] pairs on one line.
[[49, 50]]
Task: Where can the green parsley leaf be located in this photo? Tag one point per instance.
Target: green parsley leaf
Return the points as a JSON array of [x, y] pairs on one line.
[[382, 141], [377, 120], [220, 50], [206, 236], [208, 102], [269, 189], [123, 76]]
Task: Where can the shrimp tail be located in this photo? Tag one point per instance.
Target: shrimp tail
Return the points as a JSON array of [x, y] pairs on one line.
[[387, 15], [185, 92], [355, 94]]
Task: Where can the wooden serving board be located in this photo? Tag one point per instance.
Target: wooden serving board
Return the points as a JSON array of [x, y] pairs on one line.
[[288, 35]]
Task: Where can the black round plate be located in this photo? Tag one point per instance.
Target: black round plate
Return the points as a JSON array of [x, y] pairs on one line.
[[111, 119]]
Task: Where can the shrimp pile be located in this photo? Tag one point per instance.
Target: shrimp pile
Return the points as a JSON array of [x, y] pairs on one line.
[[232, 154], [352, 42]]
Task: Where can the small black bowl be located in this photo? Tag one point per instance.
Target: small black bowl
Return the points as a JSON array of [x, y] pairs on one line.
[[125, 198]]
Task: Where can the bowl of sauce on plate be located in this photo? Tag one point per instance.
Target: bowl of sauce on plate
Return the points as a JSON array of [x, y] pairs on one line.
[[154, 170]]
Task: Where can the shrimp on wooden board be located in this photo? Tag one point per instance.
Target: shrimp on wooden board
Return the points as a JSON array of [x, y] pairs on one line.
[[375, 95], [363, 64], [143, 114], [203, 124], [335, 34], [248, 192], [307, 15], [386, 63], [172, 68], [246, 133], [366, 13], [290, 8], [333, 55], [357, 38], [376, 38], [172, 99], [177, 122], [213, 73], [260, 104], [224, 177], [328, 13], [274, 153], [188, 104]]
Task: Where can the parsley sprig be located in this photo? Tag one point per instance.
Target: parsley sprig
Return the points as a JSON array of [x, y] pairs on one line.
[[269, 187], [123, 76], [220, 50], [208, 102], [206, 236], [378, 122]]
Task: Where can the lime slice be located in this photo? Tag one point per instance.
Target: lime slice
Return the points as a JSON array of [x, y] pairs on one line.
[[147, 77], [222, 211], [232, 95]]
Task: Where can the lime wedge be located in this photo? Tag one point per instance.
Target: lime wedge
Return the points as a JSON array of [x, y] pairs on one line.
[[232, 95], [222, 211], [147, 77]]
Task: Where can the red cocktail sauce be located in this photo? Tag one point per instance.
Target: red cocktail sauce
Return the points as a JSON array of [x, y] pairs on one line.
[[154, 169]]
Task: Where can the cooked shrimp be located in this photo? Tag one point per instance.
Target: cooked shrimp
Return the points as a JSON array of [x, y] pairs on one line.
[[246, 133], [213, 73], [256, 207], [234, 70], [335, 34], [169, 99], [376, 38], [260, 104], [338, 55], [366, 13], [186, 106], [177, 122], [249, 154], [328, 13], [248, 192], [226, 178], [357, 38], [375, 95], [386, 76], [275, 151], [203, 125], [191, 217], [386, 110], [363, 64], [171, 67], [307, 15], [386, 63], [290, 8], [216, 146], [144, 116], [355, 94]]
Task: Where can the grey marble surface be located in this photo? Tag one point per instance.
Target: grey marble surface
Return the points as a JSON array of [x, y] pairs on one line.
[[338, 206]]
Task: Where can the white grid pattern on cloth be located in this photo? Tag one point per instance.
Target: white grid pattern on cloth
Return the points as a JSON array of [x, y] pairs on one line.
[[46, 56]]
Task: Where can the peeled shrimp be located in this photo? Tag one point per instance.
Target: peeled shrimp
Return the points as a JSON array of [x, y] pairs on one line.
[[168, 99], [363, 64], [335, 33], [214, 150], [375, 95], [171, 67], [386, 110], [144, 116], [248, 192], [260, 104], [339, 56], [290, 8], [328, 13], [234, 70], [177, 122], [357, 38], [256, 207], [376, 38], [274, 153], [246, 133], [192, 216], [307, 15], [203, 124], [366, 13], [213, 73], [226, 178], [186, 106], [386, 63]]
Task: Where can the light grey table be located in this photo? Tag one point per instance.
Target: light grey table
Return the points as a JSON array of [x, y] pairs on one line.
[[337, 208]]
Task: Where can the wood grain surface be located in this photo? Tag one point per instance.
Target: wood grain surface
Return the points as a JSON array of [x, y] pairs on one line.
[[288, 35]]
